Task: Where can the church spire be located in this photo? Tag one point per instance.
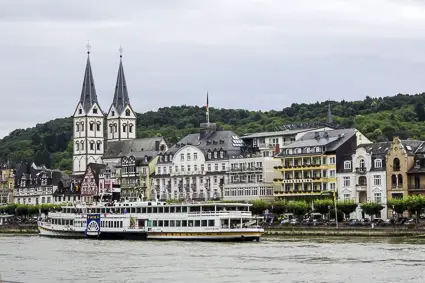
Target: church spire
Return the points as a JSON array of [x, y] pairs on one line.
[[121, 98], [88, 92]]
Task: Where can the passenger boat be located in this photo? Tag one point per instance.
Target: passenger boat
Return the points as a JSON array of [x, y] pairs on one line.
[[154, 220]]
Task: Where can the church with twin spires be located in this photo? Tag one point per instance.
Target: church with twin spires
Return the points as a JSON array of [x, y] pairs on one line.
[[94, 129]]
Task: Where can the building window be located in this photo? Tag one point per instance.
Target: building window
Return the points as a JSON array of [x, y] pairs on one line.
[[209, 167], [331, 173], [98, 146], [77, 127], [378, 197], [347, 197], [221, 154], [400, 179], [182, 157], [332, 160], [188, 168], [209, 155], [215, 154], [396, 164], [91, 126], [223, 166], [346, 181], [82, 127], [216, 167], [362, 164], [80, 111], [130, 128], [127, 112], [188, 157], [124, 128], [195, 156], [332, 186], [77, 146], [98, 127], [202, 168], [113, 113], [347, 165], [378, 163], [376, 180], [95, 110], [82, 145], [91, 146]]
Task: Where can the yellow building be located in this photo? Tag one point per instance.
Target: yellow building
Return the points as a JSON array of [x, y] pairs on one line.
[[7, 183], [400, 160], [310, 165]]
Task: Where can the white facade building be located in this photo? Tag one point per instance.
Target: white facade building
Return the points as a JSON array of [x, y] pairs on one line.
[[363, 178], [250, 177], [196, 167]]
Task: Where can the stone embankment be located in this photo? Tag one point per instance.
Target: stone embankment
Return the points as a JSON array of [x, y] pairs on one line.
[[19, 229], [343, 231]]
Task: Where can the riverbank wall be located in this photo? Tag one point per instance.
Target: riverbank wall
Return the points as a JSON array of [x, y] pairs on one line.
[[343, 231], [18, 229]]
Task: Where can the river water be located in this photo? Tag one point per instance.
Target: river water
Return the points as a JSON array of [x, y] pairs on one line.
[[37, 259]]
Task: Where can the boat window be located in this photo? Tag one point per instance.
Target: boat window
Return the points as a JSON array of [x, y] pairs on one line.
[[178, 209], [120, 224], [184, 223], [178, 223], [138, 210], [143, 209], [71, 222], [204, 223], [166, 209], [160, 210], [211, 223], [184, 209], [197, 223], [172, 209], [190, 222], [154, 210], [166, 223], [155, 223], [160, 223], [132, 210], [149, 210], [172, 223]]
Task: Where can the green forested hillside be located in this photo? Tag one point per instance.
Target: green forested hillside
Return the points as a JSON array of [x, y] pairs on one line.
[[378, 118]]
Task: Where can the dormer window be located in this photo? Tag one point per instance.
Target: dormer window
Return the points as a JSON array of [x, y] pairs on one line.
[[378, 163], [215, 154], [80, 111], [209, 155], [221, 154], [347, 165], [113, 113], [95, 110], [127, 112]]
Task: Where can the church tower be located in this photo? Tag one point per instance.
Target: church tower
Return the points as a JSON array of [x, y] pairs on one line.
[[121, 119], [88, 118]]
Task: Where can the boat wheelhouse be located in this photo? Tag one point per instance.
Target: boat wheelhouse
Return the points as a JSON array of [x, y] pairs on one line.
[[154, 220]]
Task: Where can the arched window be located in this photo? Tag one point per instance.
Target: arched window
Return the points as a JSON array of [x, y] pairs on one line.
[[115, 127], [98, 145], [91, 145], [130, 128], [396, 164], [124, 128], [82, 126], [362, 164], [77, 146], [98, 126], [91, 126], [111, 128], [394, 180], [362, 181], [127, 112], [400, 179], [77, 127], [82, 145]]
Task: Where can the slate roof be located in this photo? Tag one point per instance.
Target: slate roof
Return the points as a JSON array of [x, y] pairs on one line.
[[35, 173], [413, 146], [121, 99], [332, 139], [118, 149], [275, 133], [216, 140], [88, 92], [378, 148]]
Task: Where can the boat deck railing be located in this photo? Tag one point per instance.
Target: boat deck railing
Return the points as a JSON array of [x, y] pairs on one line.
[[219, 213]]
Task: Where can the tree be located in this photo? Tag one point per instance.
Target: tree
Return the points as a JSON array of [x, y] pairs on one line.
[[346, 207], [371, 208], [420, 111], [279, 206], [398, 205], [415, 204], [298, 208], [21, 210], [259, 206], [322, 205]]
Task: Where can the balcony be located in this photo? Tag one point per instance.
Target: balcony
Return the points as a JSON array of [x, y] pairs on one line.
[[416, 188], [361, 187], [303, 167], [361, 170]]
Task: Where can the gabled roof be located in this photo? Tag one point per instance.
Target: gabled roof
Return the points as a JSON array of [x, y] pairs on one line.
[[378, 148], [88, 92], [117, 149], [276, 133], [96, 169], [121, 98]]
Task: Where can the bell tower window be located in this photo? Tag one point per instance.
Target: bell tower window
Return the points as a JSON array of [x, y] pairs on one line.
[[113, 113], [98, 127], [95, 110], [127, 112], [124, 128], [91, 126], [80, 111]]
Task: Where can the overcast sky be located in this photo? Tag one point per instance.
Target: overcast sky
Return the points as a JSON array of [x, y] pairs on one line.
[[247, 53]]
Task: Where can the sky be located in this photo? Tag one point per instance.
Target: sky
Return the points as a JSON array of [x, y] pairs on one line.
[[250, 54]]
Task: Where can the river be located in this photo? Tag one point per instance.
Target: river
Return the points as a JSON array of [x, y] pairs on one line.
[[37, 259]]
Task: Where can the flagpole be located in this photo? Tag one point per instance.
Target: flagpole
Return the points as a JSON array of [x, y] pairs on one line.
[[208, 111]]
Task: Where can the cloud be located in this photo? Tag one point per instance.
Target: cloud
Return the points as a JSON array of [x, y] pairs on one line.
[[248, 54]]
